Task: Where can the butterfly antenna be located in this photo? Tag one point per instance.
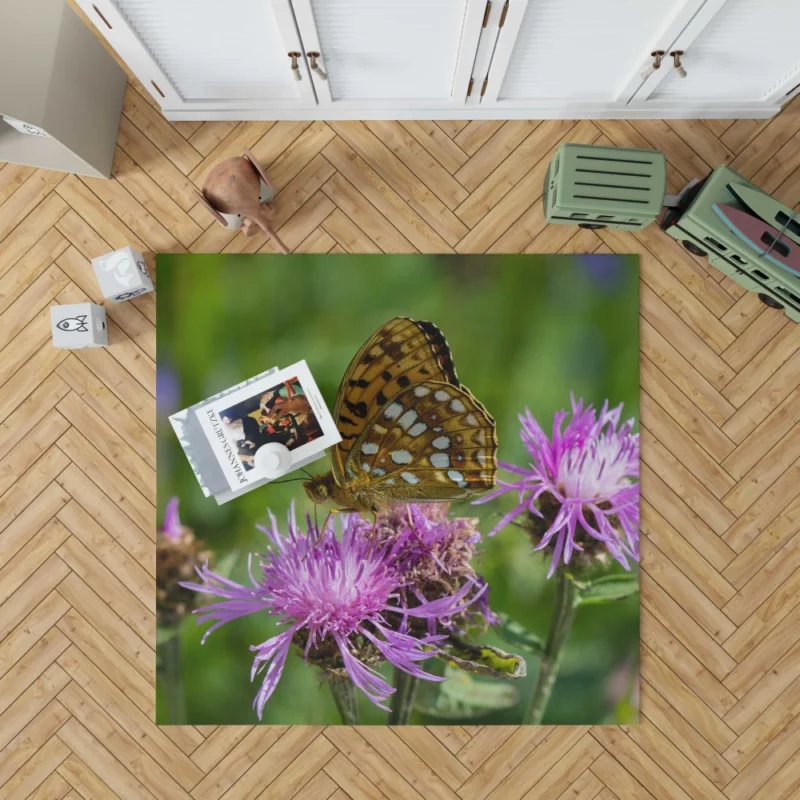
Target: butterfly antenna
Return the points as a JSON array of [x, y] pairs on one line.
[[288, 480]]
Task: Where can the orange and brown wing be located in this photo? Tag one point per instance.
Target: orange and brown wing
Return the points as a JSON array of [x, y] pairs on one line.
[[399, 354], [431, 441]]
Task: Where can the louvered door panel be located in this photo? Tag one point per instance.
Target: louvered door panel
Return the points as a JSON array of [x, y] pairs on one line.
[[748, 50], [582, 50], [213, 50], [388, 50]]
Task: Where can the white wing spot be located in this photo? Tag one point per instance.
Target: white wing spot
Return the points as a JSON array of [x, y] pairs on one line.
[[390, 481], [416, 430], [457, 406], [471, 420], [441, 395], [366, 467], [441, 443], [407, 420], [379, 472], [401, 457], [409, 477], [440, 460], [438, 429], [393, 411], [369, 448], [421, 391], [457, 478]]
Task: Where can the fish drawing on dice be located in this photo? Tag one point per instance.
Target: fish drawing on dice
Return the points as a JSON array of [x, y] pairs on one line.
[[78, 324], [411, 432]]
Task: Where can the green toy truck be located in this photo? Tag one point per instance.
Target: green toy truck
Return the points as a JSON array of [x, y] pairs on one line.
[[608, 187], [700, 230]]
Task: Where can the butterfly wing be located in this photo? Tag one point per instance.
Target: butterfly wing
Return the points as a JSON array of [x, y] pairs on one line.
[[397, 355], [431, 441]]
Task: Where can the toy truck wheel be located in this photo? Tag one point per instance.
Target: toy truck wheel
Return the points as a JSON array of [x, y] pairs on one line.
[[769, 301], [693, 248], [590, 226]]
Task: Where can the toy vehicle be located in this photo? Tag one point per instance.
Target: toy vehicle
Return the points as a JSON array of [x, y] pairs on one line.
[[702, 231], [605, 187], [745, 233]]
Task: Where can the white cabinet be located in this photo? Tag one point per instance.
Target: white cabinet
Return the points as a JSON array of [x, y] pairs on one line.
[[578, 53], [385, 54], [735, 51], [204, 55], [339, 59]]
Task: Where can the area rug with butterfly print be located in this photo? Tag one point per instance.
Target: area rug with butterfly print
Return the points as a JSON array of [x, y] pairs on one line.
[[464, 550]]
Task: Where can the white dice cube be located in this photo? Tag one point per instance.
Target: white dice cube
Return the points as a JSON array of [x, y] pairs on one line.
[[122, 274], [78, 325]]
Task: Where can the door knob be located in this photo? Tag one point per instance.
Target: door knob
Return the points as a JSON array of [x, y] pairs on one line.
[[295, 67], [312, 57], [657, 56], [676, 60]]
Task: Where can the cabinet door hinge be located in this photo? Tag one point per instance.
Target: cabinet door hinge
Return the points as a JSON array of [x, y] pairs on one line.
[[486, 13], [485, 83], [503, 15], [469, 88]]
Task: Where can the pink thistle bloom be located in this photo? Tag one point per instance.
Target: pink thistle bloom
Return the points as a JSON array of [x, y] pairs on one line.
[[434, 553], [581, 484], [332, 594], [172, 529]]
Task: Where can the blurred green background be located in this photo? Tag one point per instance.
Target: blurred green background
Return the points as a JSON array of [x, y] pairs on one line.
[[524, 331]]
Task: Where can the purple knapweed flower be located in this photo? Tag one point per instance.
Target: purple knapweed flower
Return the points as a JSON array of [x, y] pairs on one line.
[[333, 594], [177, 555], [434, 553], [579, 495], [172, 527]]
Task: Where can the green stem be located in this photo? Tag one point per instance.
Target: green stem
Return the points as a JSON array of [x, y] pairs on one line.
[[169, 658], [403, 698], [566, 604], [344, 695]]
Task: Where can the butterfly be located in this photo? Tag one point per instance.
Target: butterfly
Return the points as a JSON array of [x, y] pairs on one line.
[[411, 433]]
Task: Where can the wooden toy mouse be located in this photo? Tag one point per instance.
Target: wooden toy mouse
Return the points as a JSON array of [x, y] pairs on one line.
[[238, 194]]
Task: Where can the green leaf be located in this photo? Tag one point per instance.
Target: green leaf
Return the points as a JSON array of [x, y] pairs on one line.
[[165, 634], [608, 589], [461, 696], [482, 659], [224, 566], [515, 633]]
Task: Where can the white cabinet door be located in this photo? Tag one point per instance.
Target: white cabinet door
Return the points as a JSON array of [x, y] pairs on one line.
[[206, 54], [576, 54], [390, 54], [741, 51]]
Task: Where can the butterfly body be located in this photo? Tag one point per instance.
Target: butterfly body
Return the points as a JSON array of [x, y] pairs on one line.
[[411, 433]]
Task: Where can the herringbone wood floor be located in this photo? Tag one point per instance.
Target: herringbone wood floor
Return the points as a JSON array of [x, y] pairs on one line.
[[720, 487]]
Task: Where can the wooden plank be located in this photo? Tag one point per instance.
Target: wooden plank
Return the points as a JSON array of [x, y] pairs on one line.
[[160, 132], [437, 143], [408, 187]]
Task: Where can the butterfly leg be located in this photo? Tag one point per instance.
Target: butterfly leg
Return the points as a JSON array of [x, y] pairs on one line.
[[374, 535], [411, 526], [321, 530]]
